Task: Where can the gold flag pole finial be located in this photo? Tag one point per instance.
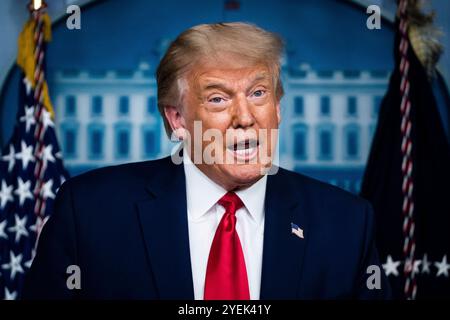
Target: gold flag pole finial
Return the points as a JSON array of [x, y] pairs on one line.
[[36, 5], [31, 49]]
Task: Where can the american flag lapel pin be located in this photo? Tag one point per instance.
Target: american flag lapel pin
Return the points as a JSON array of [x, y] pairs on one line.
[[295, 229]]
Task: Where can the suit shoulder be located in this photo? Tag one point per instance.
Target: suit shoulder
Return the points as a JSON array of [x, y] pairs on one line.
[[117, 176], [319, 190]]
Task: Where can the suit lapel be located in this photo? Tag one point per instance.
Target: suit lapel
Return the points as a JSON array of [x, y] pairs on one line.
[[283, 251], [163, 219]]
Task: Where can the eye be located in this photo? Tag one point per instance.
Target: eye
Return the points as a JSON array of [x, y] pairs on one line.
[[216, 100], [259, 93]]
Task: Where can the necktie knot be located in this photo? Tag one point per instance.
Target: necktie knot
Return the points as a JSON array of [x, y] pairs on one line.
[[231, 202]]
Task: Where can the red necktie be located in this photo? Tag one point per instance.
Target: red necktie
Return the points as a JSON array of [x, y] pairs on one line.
[[226, 275]]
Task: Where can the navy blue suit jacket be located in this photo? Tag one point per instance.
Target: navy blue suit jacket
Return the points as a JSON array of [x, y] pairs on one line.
[[126, 228]]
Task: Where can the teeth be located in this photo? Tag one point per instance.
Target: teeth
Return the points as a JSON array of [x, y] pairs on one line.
[[244, 152]]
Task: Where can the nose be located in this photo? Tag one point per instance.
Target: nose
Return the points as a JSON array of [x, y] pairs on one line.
[[242, 113]]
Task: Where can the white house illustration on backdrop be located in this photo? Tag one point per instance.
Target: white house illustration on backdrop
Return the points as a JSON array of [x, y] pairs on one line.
[[329, 117]]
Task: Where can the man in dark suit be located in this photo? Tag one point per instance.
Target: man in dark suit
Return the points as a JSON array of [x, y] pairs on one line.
[[217, 219]]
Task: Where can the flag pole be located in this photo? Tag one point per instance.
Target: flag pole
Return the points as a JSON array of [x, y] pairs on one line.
[[37, 9], [409, 244]]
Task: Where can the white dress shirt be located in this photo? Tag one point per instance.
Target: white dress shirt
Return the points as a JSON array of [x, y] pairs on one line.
[[204, 215]]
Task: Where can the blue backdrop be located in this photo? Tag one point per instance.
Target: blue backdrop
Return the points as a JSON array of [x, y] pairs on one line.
[[101, 79]]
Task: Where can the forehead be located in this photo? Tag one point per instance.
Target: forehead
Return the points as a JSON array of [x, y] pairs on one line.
[[209, 74]]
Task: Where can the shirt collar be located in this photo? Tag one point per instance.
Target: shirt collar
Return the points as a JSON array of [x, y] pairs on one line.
[[202, 193]]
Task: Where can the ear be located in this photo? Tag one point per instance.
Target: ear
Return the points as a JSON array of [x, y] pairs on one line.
[[175, 119], [278, 112]]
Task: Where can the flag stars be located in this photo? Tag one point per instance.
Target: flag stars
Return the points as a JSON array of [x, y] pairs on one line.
[[62, 179], [47, 155], [28, 118], [390, 267], [422, 266], [23, 191], [425, 264], [416, 266], [25, 155], [10, 295], [2, 229], [14, 265], [46, 118], [46, 191], [37, 227], [442, 267], [28, 85], [10, 157], [5, 194], [20, 227], [30, 262]]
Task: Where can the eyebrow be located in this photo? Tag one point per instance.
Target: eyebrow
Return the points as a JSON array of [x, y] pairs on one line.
[[221, 86]]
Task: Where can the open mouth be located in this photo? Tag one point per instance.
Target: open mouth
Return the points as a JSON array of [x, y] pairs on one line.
[[244, 149]]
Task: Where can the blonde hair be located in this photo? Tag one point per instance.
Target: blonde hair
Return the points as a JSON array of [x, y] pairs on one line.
[[208, 40]]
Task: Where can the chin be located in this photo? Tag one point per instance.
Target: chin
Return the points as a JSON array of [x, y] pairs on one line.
[[245, 174]]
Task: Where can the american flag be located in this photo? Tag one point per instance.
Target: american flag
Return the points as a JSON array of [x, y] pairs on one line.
[[295, 229], [31, 167]]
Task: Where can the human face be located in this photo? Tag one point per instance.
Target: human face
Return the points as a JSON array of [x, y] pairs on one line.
[[238, 100]]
